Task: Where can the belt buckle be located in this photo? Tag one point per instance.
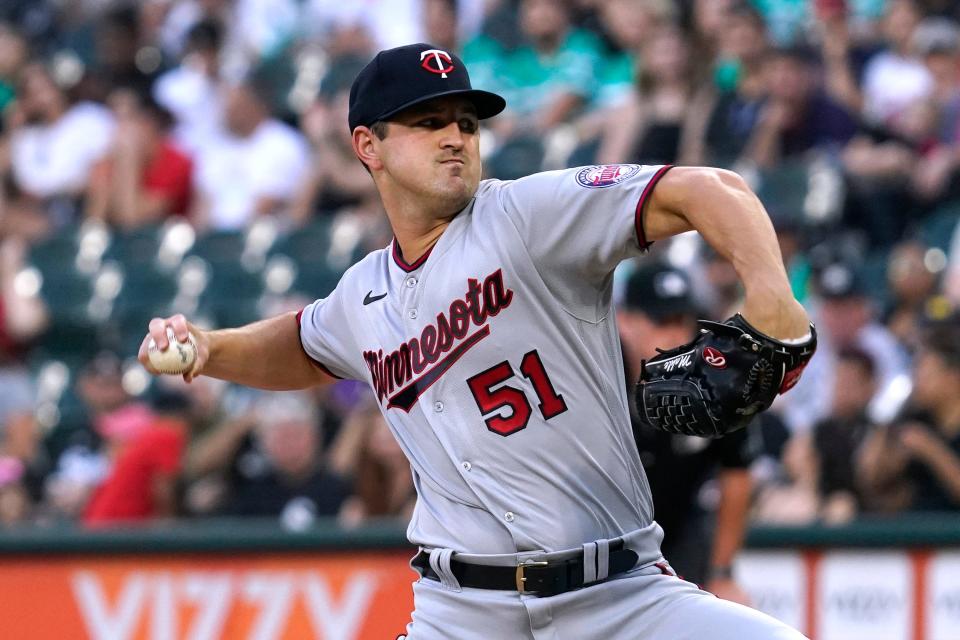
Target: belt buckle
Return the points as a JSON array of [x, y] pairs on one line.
[[521, 578]]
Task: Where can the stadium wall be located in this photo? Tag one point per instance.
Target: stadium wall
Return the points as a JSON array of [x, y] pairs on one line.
[[885, 580]]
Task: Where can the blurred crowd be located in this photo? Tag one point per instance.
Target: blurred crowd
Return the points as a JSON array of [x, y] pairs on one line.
[[194, 156]]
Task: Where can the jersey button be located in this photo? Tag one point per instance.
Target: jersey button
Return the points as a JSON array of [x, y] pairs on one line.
[[438, 406], [508, 516], [411, 282], [412, 314], [466, 466]]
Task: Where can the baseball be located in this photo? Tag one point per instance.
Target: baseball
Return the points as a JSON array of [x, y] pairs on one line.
[[177, 359]]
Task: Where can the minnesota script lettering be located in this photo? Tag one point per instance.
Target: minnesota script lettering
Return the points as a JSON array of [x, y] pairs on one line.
[[406, 368]]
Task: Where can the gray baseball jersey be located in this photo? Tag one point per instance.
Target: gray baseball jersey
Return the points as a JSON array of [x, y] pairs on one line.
[[496, 361]]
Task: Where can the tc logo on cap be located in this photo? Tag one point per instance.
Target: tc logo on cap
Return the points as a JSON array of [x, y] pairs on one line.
[[436, 61]]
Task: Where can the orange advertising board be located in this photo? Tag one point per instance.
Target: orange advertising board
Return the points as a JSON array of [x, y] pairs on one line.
[[275, 596]]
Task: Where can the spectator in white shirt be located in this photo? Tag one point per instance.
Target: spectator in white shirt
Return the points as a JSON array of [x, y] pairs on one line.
[[390, 23], [895, 78], [253, 168], [53, 146], [846, 318], [191, 91]]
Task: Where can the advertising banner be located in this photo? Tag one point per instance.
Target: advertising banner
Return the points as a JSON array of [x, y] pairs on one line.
[[865, 596], [328, 596], [776, 582], [943, 596], [366, 595]]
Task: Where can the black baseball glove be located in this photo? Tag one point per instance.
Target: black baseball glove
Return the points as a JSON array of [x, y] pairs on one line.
[[719, 381]]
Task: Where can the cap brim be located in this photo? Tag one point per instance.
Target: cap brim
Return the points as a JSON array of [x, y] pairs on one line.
[[661, 312], [488, 104], [843, 294], [659, 309]]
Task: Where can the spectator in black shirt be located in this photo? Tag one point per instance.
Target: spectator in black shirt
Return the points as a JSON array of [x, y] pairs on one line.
[[725, 112], [798, 115], [915, 464], [658, 310], [283, 475], [822, 461], [837, 438]]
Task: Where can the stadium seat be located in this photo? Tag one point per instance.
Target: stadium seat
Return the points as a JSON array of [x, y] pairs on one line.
[[938, 228], [233, 281], [56, 251], [236, 312], [783, 191], [70, 425], [219, 247], [308, 244], [65, 289], [230, 281], [71, 336], [309, 249], [518, 157], [136, 248], [874, 273], [147, 284], [71, 333], [129, 323], [317, 281]]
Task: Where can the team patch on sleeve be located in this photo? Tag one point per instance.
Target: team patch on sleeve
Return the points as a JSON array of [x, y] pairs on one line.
[[606, 175]]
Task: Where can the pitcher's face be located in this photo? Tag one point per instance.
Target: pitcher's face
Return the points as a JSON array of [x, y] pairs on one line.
[[432, 150]]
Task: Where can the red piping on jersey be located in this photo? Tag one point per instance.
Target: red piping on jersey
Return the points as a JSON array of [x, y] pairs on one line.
[[312, 359], [641, 203], [403, 264]]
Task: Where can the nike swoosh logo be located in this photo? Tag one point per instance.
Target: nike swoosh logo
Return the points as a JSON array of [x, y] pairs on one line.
[[372, 298]]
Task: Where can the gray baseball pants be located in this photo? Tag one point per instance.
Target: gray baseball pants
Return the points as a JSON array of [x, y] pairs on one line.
[[643, 604]]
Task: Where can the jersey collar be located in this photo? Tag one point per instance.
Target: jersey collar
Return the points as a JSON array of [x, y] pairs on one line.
[[419, 262], [400, 262]]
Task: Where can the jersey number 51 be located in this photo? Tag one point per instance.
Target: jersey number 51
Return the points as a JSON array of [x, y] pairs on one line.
[[491, 400]]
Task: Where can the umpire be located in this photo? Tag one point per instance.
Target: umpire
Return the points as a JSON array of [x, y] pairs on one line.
[[659, 309]]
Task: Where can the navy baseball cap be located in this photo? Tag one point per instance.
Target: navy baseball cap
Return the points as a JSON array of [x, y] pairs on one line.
[[660, 291], [840, 280], [402, 77]]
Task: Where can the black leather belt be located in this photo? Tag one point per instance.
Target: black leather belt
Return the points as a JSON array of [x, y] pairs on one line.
[[539, 578]]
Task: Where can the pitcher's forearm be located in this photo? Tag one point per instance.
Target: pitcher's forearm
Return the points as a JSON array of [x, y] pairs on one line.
[[721, 207], [732, 220], [266, 355]]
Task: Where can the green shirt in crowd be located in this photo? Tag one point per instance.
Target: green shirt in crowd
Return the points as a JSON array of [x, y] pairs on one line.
[[529, 80]]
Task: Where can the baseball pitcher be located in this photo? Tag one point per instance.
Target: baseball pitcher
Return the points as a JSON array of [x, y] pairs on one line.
[[486, 332]]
